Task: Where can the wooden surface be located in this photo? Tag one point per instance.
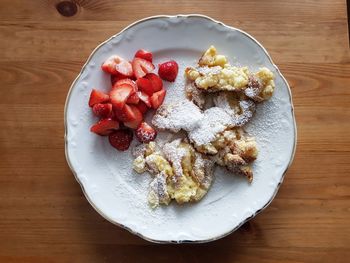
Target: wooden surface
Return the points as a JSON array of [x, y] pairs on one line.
[[44, 216]]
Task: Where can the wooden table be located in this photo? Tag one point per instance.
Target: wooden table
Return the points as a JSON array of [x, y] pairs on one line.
[[44, 216]]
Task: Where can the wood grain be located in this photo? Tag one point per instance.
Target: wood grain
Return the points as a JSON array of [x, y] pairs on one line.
[[44, 216]]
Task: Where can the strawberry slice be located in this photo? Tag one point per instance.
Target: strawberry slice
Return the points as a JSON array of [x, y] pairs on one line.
[[145, 85], [145, 133], [117, 65], [145, 98], [97, 96], [120, 94], [157, 98], [125, 81], [102, 110], [105, 127], [168, 70], [115, 78], [142, 107], [141, 53], [157, 83], [121, 139], [134, 115], [141, 67], [133, 99]]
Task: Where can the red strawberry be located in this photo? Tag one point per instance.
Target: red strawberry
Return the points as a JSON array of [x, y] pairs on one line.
[[168, 70], [120, 94], [145, 85], [127, 113], [105, 127], [115, 78], [157, 83], [157, 98], [134, 116], [141, 53], [141, 67], [145, 98], [125, 81], [145, 133], [97, 96], [142, 107], [121, 139], [102, 110], [133, 99], [117, 65]]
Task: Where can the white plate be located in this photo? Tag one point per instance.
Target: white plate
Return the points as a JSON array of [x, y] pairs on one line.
[[106, 175]]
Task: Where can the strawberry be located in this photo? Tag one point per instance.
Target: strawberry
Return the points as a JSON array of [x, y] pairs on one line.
[[121, 139], [133, 99], [125, 81], [133, 115], [126, 114], [97, 96], [157, 83], [168, 70], [145, 85], [141, 67], [141, 53], [157, 98], [115, 78], [144, 98], [145, 133], [117, 65], [143, 108], [120, 94], [105, 126], [102, 110]]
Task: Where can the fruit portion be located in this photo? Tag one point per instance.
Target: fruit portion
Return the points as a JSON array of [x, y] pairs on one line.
[[134, 90], [168, 70], [117, 65], [141, 67], [141, 53], [157, 98], [102, 110], [120, 94], [105, 127], [134, 117], [121, 139], [157, 83], [145, 133], [97, 96]]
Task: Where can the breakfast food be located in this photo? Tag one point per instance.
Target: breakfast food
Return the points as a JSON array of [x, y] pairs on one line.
[[219, 100], [179, 172], [135, 90]]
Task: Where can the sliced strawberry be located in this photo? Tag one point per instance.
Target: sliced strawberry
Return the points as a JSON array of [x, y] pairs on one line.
[[97, 96], [145, 98], [157, 98], [145, 133], [145, 85], [115, 78], [168, 70], [121, 139], [105, 127], [133, 99], [117, 65], [142, 107], [102, 110], [126, 81], [120, 94], [157, 83], [135, 118], [141, 53], [141, 67]]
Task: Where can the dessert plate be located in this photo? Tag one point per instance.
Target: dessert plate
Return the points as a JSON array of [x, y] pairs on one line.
[[106, 175]]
